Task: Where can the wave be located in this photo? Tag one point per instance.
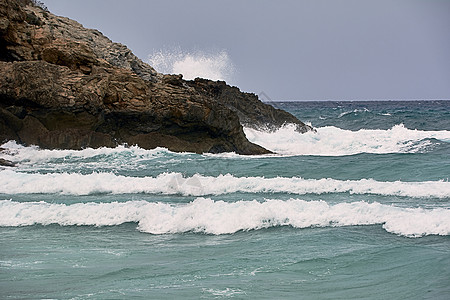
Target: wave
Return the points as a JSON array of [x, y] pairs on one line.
[[34, 154], [203, 215], [333, 141], [353, 112], [327, 141], [198, 185]]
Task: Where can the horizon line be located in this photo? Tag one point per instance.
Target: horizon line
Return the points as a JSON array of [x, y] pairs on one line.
[[349, 100]]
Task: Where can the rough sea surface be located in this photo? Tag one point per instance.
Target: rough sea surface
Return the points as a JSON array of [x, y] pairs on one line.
[[358, 210]]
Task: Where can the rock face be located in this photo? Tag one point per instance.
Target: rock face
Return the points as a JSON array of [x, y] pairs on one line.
[[64, 86], [250, 110]]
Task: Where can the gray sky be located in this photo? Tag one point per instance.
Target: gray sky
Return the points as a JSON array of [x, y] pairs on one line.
[[292, 50]]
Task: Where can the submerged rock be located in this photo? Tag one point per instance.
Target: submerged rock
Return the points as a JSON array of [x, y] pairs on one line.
[[65, 86], [6, 163]]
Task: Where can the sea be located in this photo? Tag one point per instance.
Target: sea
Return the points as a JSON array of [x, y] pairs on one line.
[[358, 209]]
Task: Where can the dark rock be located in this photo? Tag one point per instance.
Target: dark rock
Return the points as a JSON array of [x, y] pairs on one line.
[[56, 107], [6, 163], [250, 110], [32, 19], [64, 86]]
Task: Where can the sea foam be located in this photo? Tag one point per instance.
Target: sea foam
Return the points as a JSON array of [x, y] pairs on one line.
[[214, 65], [327, 141], [14, 182], [34, 154], [333, 141], [205, 215]]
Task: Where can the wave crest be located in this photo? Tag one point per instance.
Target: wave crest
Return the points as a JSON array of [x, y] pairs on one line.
[[213, 66], [333, 141], [198, 185], [204, 215]]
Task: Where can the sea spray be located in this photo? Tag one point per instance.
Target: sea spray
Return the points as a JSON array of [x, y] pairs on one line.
[[214, 66]]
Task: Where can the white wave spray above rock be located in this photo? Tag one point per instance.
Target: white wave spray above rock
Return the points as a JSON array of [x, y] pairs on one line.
[[214, 65]]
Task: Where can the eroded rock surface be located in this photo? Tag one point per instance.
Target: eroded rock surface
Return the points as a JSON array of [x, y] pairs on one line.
[[65, 86]]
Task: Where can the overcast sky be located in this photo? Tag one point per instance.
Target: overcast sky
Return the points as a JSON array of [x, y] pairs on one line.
[[291, 50]]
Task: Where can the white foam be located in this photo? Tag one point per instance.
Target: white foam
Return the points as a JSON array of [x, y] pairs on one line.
[[14, 182], [327, 141], [214, 66], [218, 217], [355, 111], [35, 154], [333, 141]]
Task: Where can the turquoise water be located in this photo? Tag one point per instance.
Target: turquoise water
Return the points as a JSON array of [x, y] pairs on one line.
[[358, 210]]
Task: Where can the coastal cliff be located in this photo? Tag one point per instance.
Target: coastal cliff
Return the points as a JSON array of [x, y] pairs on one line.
[[64, 86]]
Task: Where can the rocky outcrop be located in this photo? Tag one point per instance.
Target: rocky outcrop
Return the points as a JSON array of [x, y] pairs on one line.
[[26, 30], [55, 107], [64, 86], [250, 110]]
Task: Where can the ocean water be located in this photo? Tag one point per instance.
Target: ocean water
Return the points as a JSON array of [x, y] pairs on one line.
[[358, 210]]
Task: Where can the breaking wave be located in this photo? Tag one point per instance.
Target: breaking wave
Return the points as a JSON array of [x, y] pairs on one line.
[[333, 141], [204, 215], [327, 141], [34, 154], [14, 182]]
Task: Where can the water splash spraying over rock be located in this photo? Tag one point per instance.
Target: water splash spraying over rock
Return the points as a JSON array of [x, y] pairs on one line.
[[213, 66]]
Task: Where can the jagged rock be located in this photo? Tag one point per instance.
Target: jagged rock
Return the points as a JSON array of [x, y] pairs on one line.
[[56, 107], [250, 110], [26, 41], [64, 86]]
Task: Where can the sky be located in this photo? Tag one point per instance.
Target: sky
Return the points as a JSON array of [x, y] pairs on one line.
[[286, 49]]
